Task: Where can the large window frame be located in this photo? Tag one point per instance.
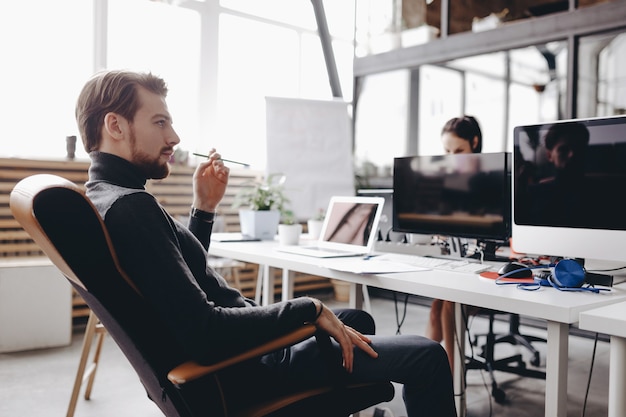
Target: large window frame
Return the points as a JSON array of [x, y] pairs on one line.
[[40, 110]]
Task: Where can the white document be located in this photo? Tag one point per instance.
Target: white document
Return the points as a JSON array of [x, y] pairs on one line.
[[370, 266]]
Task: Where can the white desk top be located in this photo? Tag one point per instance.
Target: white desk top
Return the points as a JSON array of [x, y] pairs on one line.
[[546, 303], [609, 320], [557, 307]]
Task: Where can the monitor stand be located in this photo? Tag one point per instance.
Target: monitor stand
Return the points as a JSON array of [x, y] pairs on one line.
[[489, 248]]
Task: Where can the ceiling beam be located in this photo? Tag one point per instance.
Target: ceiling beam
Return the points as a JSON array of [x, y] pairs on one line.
[[511, 35]]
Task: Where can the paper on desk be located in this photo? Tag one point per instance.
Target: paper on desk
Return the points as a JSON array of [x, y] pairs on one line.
[[369, 266], [232, 237]]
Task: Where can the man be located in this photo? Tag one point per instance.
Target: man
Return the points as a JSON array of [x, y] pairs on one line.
[[566, 197], [566, 144], [127, 130]]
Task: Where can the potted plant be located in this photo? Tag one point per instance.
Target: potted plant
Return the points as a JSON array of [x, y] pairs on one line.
[[314, 224], [261, 204], [289, 229]]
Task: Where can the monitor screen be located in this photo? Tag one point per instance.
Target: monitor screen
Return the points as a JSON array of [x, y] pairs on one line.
[[385, 228], [459, 195], [569, 180]]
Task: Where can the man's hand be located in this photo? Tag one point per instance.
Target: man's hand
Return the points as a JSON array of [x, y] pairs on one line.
[[346, 336], [209, 182]]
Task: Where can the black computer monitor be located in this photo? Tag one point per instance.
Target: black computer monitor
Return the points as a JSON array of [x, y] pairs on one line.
[[457, 195], [569, 185]]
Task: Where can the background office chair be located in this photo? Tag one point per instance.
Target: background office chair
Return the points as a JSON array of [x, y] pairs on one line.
[[486, 359], [58, 216], [512, 337]]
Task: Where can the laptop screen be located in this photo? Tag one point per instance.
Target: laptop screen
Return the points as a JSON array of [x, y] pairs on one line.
[[351, 222]]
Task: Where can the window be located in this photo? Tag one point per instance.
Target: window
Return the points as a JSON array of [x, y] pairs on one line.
[[219, 60], [271, 60], [381, 125], [601, 84], [45, 62], [172, 54]]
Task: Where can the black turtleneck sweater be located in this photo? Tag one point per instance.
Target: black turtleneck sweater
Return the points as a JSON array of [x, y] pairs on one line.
[[167, 263]]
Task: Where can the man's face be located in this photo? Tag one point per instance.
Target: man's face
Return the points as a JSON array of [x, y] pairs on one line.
[[567, 155], [152, 137]]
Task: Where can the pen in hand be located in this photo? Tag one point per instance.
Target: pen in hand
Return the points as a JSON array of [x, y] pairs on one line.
[[222, 159]]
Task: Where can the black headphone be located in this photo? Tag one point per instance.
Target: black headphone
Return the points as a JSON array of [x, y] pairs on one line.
[[567, 275]]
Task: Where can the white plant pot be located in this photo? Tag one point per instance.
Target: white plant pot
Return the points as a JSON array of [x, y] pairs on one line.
[[259, 224], [289, 234], [314, 228]]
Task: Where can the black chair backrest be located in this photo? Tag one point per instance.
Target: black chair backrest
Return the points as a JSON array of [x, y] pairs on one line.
[[73, 235]]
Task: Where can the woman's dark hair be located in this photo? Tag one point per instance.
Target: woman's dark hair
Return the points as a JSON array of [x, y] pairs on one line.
[[467, 128]]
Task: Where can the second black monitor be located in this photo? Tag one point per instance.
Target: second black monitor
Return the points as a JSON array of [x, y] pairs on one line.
[[460, 195]]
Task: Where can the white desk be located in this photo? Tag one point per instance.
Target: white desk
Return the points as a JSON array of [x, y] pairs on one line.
[[559, 309], [611, 320]]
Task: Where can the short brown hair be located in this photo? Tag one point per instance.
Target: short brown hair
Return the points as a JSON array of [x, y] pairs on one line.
[[574, 133], [111, 91]]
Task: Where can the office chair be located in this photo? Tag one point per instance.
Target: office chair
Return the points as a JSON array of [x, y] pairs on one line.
[[486, 359], [64, 223]]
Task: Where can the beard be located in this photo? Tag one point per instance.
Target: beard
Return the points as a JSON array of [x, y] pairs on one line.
[[152, 167]]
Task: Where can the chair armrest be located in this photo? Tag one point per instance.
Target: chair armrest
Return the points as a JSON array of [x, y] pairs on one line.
[[192, 370]]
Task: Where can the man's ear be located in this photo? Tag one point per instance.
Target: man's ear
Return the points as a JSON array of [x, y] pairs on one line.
[[115, 125]]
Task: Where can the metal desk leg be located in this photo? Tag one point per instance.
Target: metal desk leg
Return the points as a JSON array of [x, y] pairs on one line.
[[259, 285], [458, 372], [356, 296], [617, 377], [357, 292], [556, 370], [267, 285], [287, 285], [367, 305]]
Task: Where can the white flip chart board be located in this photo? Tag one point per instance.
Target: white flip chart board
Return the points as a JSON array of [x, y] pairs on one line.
[[310, 141]]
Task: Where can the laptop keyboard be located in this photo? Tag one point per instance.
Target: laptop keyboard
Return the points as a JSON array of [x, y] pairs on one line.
[[455, 265]]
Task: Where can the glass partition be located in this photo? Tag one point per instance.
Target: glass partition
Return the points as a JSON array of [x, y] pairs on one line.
[[601, 84], [502, 90]]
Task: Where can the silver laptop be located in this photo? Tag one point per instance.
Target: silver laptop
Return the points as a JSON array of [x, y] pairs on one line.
[[350, 228]]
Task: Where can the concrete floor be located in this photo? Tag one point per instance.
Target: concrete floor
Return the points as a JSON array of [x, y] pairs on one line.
[[39, 382]]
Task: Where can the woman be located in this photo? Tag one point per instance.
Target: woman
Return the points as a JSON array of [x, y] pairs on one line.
[[459, 135]]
